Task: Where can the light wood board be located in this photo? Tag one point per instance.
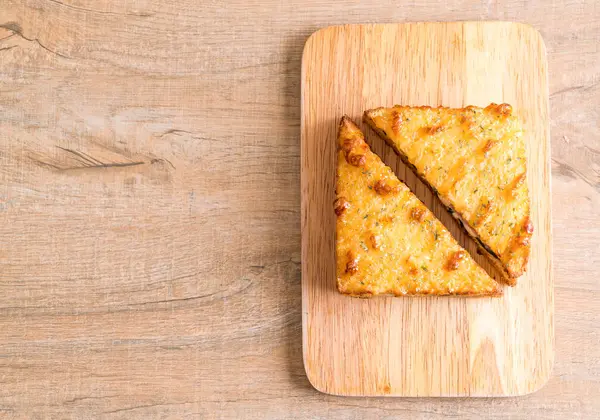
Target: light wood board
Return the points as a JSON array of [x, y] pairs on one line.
[[175, 293], [423, 346]]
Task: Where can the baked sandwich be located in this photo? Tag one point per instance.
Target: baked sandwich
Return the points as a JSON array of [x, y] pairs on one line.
[[474, 159], [388, 242]]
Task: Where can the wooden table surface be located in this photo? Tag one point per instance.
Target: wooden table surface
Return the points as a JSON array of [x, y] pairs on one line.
[[150, 208]]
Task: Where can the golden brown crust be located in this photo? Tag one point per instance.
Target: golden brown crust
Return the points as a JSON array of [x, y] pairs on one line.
[[397, 120], [434, 129], [352, 264], [375, 241], [387, 241], [455, 259], [488, 145], [356, 159], [382, 188], [485, 190], [367, 295], [340, 205], [417, 214]]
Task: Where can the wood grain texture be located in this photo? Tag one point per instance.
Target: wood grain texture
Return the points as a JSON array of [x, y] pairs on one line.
[[427, 346], [178, 296]]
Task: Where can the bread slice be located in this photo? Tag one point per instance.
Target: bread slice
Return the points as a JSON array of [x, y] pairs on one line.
[[474, 160], [387, 241]]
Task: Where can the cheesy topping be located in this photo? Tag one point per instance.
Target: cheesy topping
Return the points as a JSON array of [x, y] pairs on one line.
[[387, 241], [475, 160]]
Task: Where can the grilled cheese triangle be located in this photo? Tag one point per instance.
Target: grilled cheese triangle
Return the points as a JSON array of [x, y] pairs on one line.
[[474, 160], [387, 241]]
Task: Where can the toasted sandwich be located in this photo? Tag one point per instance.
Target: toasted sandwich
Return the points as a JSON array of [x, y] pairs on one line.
[[474, 159], [387, 241]]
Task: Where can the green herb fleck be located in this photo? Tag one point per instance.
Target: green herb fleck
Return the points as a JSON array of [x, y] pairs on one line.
[[370, 187], [436, 235], [363, 246], [365, 216], [362, 282], [424, 267], [475, 190]]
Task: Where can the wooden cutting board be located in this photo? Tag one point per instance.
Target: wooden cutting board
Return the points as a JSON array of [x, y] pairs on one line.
[[423, 346]]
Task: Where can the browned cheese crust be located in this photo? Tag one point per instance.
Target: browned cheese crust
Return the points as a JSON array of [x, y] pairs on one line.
[[474, 159], [387, 241]]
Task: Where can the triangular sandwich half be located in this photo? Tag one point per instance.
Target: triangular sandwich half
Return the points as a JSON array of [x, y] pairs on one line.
[[388, 242], [474, 160]]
